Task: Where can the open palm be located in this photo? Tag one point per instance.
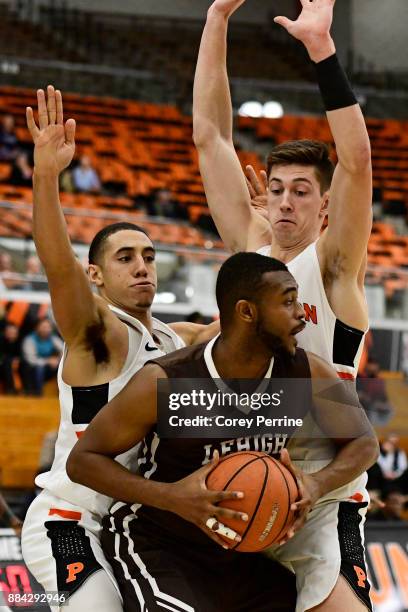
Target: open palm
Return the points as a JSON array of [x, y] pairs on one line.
[[54, 142], [314, 21]]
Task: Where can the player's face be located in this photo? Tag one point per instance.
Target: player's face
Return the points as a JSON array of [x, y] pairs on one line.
[[128, 276], [296, 205], [280, 314]]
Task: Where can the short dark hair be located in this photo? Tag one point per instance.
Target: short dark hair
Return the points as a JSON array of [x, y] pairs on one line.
[[240, 278], [305, 153], [98, 243]]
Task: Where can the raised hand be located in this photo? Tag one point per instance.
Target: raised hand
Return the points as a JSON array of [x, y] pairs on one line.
[[54, 142], [191, 500], [312, 27], [226, 7], [258, 190]]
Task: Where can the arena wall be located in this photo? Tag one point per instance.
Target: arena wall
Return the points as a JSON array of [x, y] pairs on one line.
[[380, 33]]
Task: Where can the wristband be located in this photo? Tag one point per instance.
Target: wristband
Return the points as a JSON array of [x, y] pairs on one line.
[[334, 84]]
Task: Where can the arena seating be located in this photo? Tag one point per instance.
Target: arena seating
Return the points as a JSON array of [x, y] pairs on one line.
[[149, 146]]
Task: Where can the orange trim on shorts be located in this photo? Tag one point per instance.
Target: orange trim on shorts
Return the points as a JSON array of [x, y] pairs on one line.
[[357, 497], [79, 433], [345, 375], [67, 514]]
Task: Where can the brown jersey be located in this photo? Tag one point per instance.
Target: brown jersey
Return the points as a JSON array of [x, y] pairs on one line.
[[169, 459]]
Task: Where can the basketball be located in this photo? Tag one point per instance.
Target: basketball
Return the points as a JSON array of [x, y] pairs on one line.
[[269, 491]]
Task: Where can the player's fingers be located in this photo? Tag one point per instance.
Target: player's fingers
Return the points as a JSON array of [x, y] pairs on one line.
[[59, 106], [42, 109], [218, 496], [215, 526], [283, 21], [51, 105], [226, 513], [216, 538], [31, 124], [251, 190], [264, 177], [286, 460], [70, 128], [254, 180]]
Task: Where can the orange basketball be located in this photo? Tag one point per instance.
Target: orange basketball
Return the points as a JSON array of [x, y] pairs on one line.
[[269, 490]]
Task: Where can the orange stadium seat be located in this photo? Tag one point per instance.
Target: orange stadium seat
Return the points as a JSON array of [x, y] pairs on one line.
[[140, 147]]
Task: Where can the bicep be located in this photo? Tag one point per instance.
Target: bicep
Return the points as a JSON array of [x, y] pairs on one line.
[[226, 192], [350, 216], [73, 303], [126, 419]]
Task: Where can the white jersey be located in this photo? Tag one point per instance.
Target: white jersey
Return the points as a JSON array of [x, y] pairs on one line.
[[332, 340], [324, 334], [79, 405]]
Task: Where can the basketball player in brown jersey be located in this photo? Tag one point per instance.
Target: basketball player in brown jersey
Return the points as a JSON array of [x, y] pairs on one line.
[[165, 558]]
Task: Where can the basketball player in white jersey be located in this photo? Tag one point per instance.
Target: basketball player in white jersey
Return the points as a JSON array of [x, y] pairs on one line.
[[108, 337], [329, 266]]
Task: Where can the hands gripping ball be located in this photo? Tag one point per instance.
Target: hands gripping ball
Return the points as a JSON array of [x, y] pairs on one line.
[[269, 491]]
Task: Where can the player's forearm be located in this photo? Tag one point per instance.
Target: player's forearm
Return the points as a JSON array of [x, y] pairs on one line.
[[350, 462], [346, 120], [49, 227], [107, 476], [212, 108]]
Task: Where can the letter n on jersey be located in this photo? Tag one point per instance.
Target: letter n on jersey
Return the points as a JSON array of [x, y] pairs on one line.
[[310, 313]]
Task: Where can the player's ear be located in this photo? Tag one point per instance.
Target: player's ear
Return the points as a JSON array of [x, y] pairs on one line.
[[246, 311], [95, 275], [325, 204]]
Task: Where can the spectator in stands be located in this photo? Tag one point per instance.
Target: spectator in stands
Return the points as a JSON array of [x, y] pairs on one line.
[[392, 459], [41, 351], [8, 139], [85, 177], [163, 205], [393, 508], [7, 272], [66, 182], [10, 347], [36, 280], [373, 394], [21, 172]]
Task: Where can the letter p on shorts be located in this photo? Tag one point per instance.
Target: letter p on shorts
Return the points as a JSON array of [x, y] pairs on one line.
[[73, 570]]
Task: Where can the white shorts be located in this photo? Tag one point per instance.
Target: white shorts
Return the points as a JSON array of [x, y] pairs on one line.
[[329, 544], [60, 546]]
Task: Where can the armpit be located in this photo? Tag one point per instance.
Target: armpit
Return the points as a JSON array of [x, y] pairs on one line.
[[95, 341], [335, 266]]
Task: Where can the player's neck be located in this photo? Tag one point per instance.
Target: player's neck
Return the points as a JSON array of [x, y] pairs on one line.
[[142, 314], [249, 359], [286, 251]]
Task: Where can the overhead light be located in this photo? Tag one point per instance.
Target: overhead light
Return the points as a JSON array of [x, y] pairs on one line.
[[270, 110], [273, 110], [251, 109]]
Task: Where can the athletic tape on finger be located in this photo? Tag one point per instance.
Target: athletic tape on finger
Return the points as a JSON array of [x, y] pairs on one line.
[[221, 529]]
